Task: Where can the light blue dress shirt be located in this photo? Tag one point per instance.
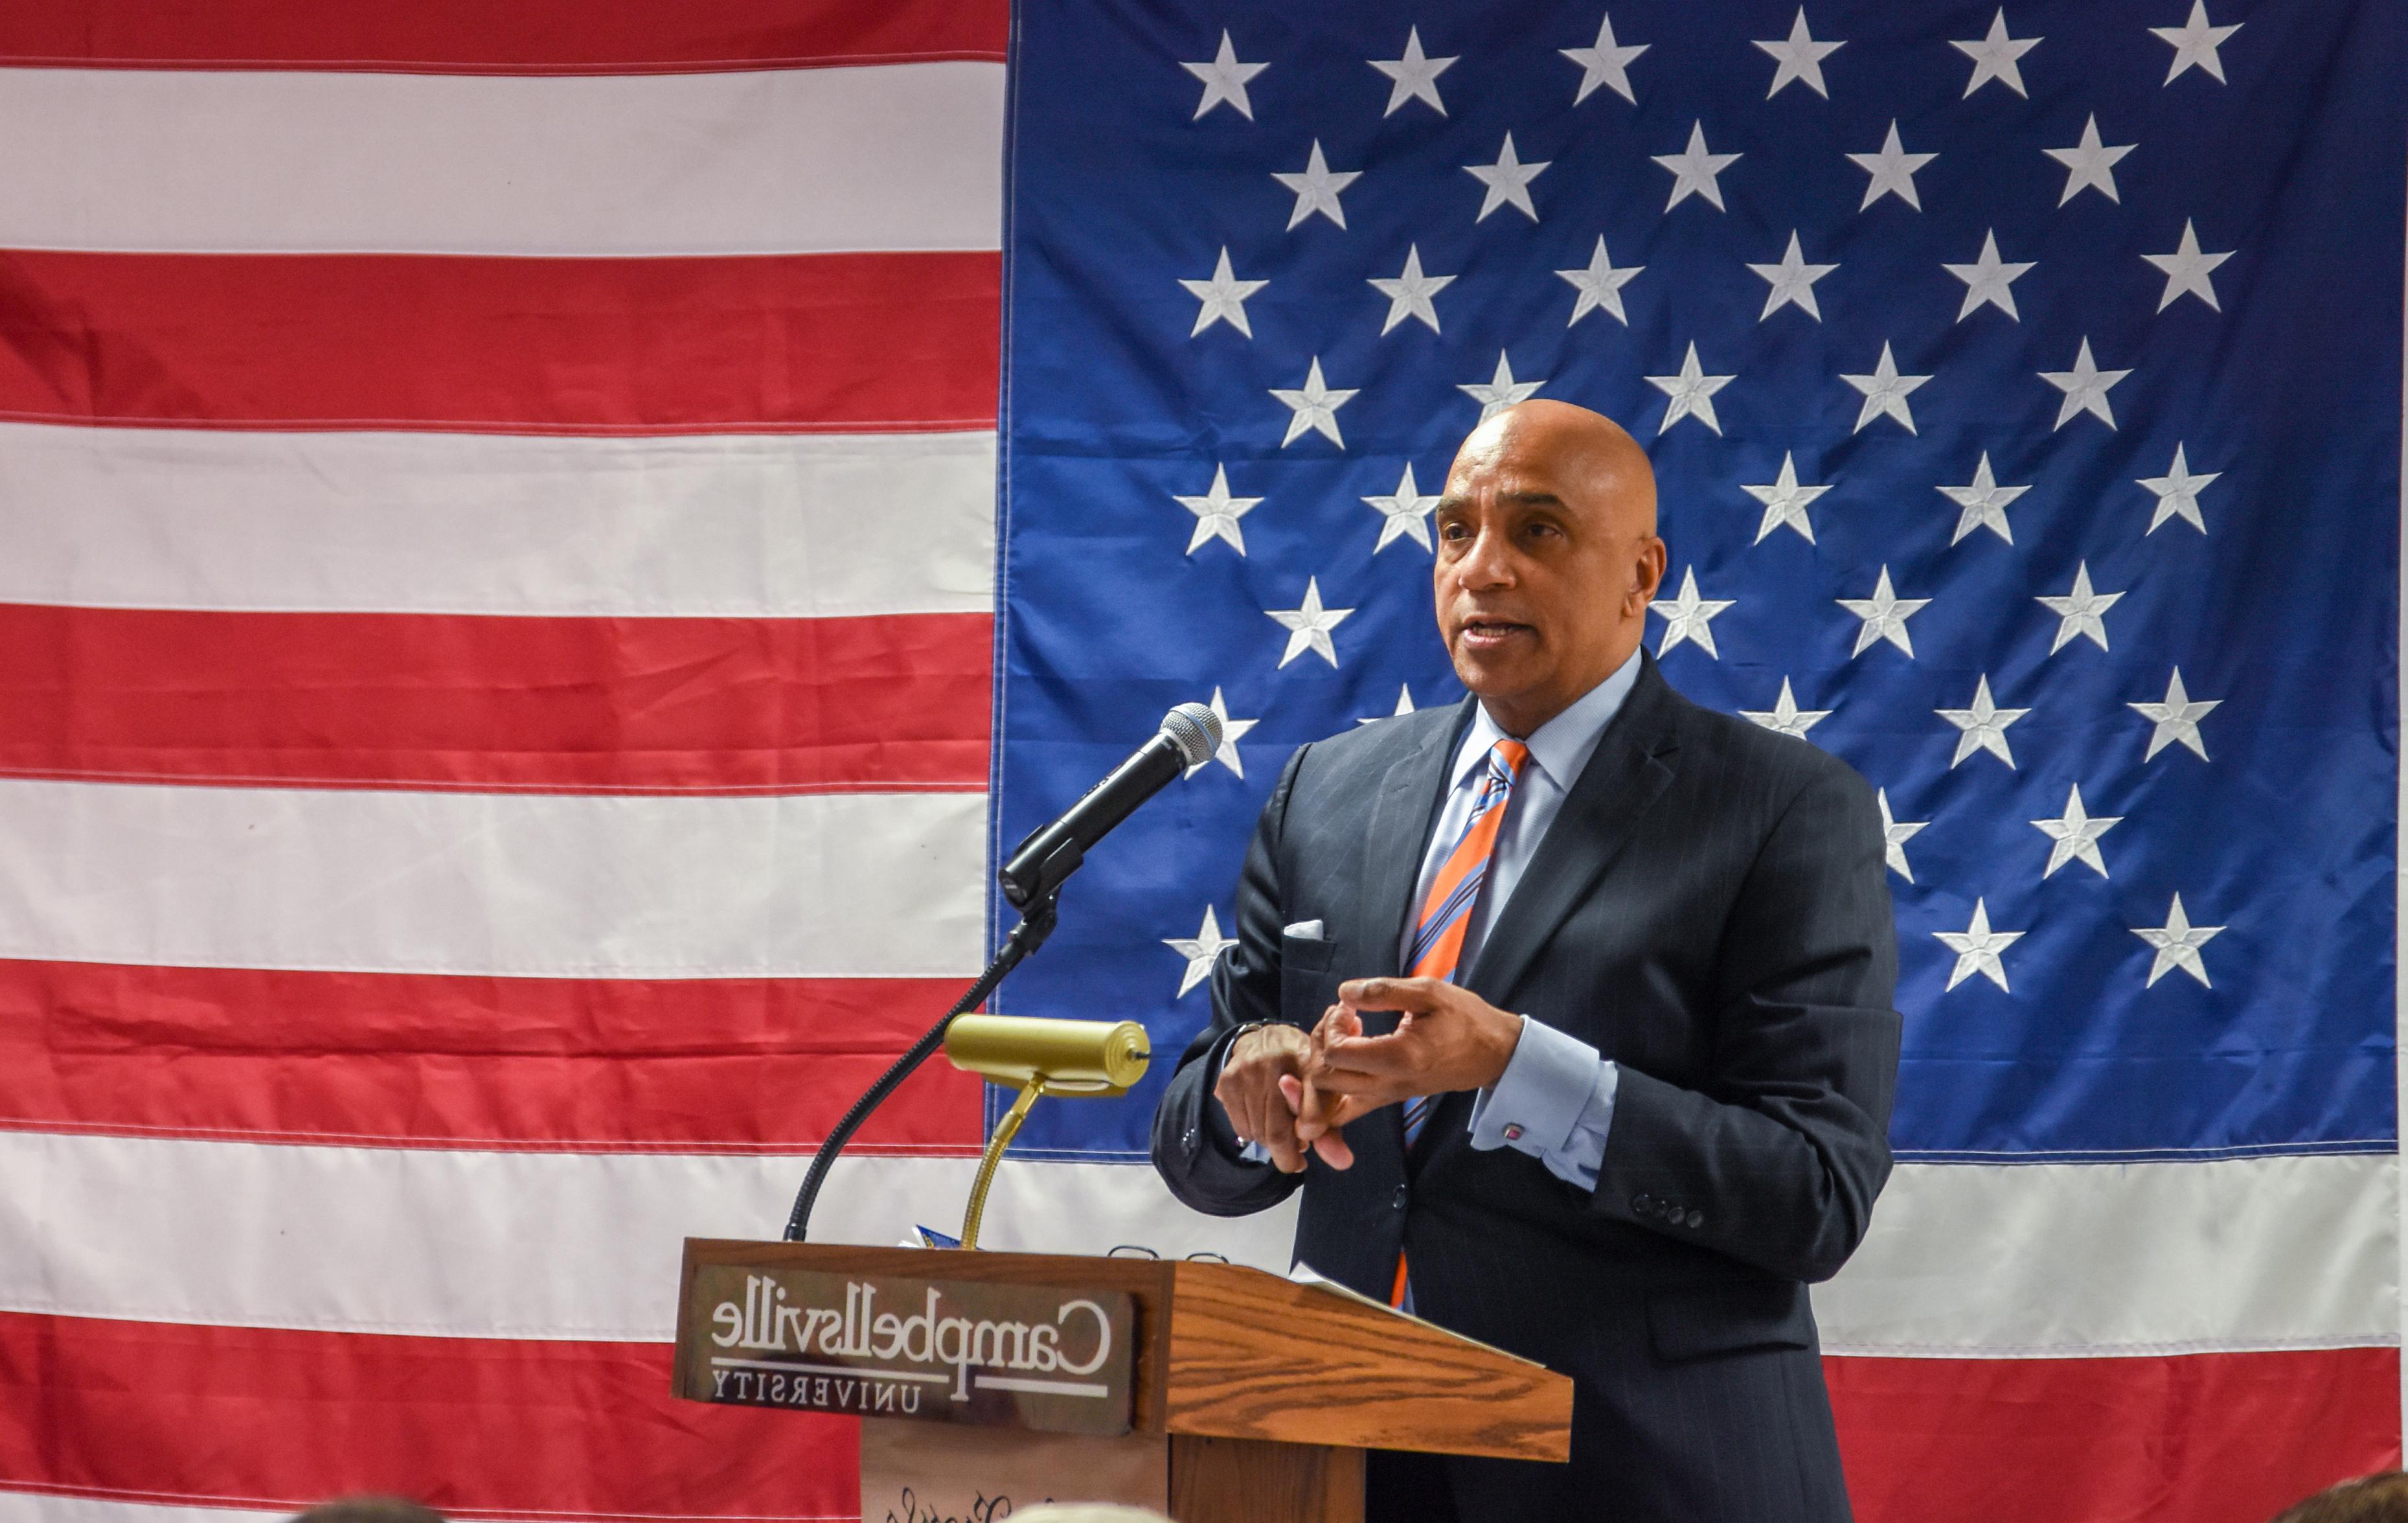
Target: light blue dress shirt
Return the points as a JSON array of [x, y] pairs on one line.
[[1554, 1101]]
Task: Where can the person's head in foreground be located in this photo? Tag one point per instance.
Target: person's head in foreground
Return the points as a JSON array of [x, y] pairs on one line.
[[2370, 1499], [369, 1510], [1547, 558]]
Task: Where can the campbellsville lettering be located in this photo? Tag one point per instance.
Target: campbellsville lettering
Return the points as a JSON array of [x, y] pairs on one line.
[[769, 1321]]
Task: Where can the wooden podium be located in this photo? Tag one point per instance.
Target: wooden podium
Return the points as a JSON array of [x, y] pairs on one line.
[[1212, 1391]]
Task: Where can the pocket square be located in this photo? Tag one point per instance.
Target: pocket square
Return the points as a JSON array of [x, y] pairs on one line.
[[1304, 930]]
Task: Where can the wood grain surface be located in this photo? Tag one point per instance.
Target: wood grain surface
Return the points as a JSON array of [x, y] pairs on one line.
[[1226, 1480], [1255, 1355]]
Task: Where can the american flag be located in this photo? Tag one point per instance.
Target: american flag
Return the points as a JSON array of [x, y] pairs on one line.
[[2024, 387], [499, 566]]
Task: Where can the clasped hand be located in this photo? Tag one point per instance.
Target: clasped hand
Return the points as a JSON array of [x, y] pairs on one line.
[[1292, 1092]]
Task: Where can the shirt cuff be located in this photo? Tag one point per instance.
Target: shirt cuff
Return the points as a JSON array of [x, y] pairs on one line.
[[1554, 1101]]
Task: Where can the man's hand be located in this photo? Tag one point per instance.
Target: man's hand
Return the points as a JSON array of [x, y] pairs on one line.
[[1448, 1038], [1257, 1091]]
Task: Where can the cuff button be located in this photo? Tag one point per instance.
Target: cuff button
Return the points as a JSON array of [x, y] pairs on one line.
[[1513, 1133], [1696, 1218]]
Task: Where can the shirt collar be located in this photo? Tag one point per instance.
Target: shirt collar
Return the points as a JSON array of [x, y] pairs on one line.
[[1562, 746]]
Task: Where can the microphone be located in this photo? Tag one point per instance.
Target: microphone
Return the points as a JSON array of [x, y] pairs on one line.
[[1189, 736]]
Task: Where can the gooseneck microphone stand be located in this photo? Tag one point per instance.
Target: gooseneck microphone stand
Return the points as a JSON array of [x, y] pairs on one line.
[[1036, 924]]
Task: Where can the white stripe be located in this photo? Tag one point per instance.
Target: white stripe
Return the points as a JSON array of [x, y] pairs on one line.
[[45, 1507], [1965, 1262], [777, 526], [822, 886], [2063, 1259], [529, 1245], [898, 156]]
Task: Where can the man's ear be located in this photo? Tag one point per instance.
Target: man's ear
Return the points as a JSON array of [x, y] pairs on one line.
[[1647, 576]]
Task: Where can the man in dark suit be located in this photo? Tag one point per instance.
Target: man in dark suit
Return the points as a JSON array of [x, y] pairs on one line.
[[1569, 1011]]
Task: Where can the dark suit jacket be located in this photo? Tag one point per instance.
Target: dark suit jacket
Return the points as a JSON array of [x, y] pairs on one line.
[[1711, 911]]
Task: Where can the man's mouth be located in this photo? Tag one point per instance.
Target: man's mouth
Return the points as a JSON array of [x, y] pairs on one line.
[[1490, 632]]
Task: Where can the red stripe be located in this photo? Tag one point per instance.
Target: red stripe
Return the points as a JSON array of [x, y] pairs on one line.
[[525, 37], [2206, 1438], [459, 701], [850, 343], [509, 1429], [258, 1417], [706, 1065]]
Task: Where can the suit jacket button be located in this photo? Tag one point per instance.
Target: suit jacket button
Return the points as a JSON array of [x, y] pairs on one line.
[[1696, 1218], [1644, 1205], [1398, 1200]]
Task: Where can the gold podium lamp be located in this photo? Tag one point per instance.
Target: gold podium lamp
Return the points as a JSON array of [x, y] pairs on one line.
[[1100, 1059]]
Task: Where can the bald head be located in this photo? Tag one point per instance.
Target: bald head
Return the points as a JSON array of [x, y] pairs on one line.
[[1547, 558]]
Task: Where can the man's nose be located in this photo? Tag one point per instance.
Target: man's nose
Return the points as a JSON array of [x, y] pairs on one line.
[[1489, 562]]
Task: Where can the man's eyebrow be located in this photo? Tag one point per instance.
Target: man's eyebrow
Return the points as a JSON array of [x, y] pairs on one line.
[[1534, 499]]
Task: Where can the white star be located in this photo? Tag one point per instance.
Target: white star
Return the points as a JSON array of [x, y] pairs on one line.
[[2195, 43], [1315, 406], [1785, 501], [1896, 833], [1884, 614], [1223, 297], [1404, 707], [1800, 58], [1225, 80], [1793, 281], [2078, 612], [2090, 163], [2176, 719], [2076, 833], [1408, 294], [1202, 951], [1984, 726], [1689, 617], [2178, 492], [2085, 388], [1501, 391], [1694, 169], [1404, 514], [1995, 57], [1977, 947], [1885, 392], [1985, 503], [1600, 286], [1892, 170], [1316, 188], [1986, 279], [2187, 268], [1217, 513], [1692, 394], [1508, 180], [1415, 75], [1309, 625], [2177, 943], [1232, 731], [1785, 717], [1607, 63]]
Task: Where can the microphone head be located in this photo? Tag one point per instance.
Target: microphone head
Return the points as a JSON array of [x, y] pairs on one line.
[[1195, 730]]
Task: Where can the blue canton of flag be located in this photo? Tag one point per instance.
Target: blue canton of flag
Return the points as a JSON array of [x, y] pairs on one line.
[[2025, 415]]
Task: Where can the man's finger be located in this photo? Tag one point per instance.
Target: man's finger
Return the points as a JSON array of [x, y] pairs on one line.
[[1390, 1055], [1411, 993], [1331, 1146]]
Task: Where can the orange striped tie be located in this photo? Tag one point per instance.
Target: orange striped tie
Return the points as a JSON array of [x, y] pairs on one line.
[[1446, 911]]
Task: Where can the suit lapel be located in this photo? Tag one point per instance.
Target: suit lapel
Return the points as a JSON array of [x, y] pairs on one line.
[[1409, 799], [1628, 771]]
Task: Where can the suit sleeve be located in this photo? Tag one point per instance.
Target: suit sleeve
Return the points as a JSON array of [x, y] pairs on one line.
[[1194, 1149], [1778, 1165]]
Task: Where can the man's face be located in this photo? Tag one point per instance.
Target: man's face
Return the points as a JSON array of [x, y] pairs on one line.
[[1546, 561]]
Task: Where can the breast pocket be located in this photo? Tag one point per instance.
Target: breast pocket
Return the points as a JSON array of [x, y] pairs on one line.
[[1306, 983]]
